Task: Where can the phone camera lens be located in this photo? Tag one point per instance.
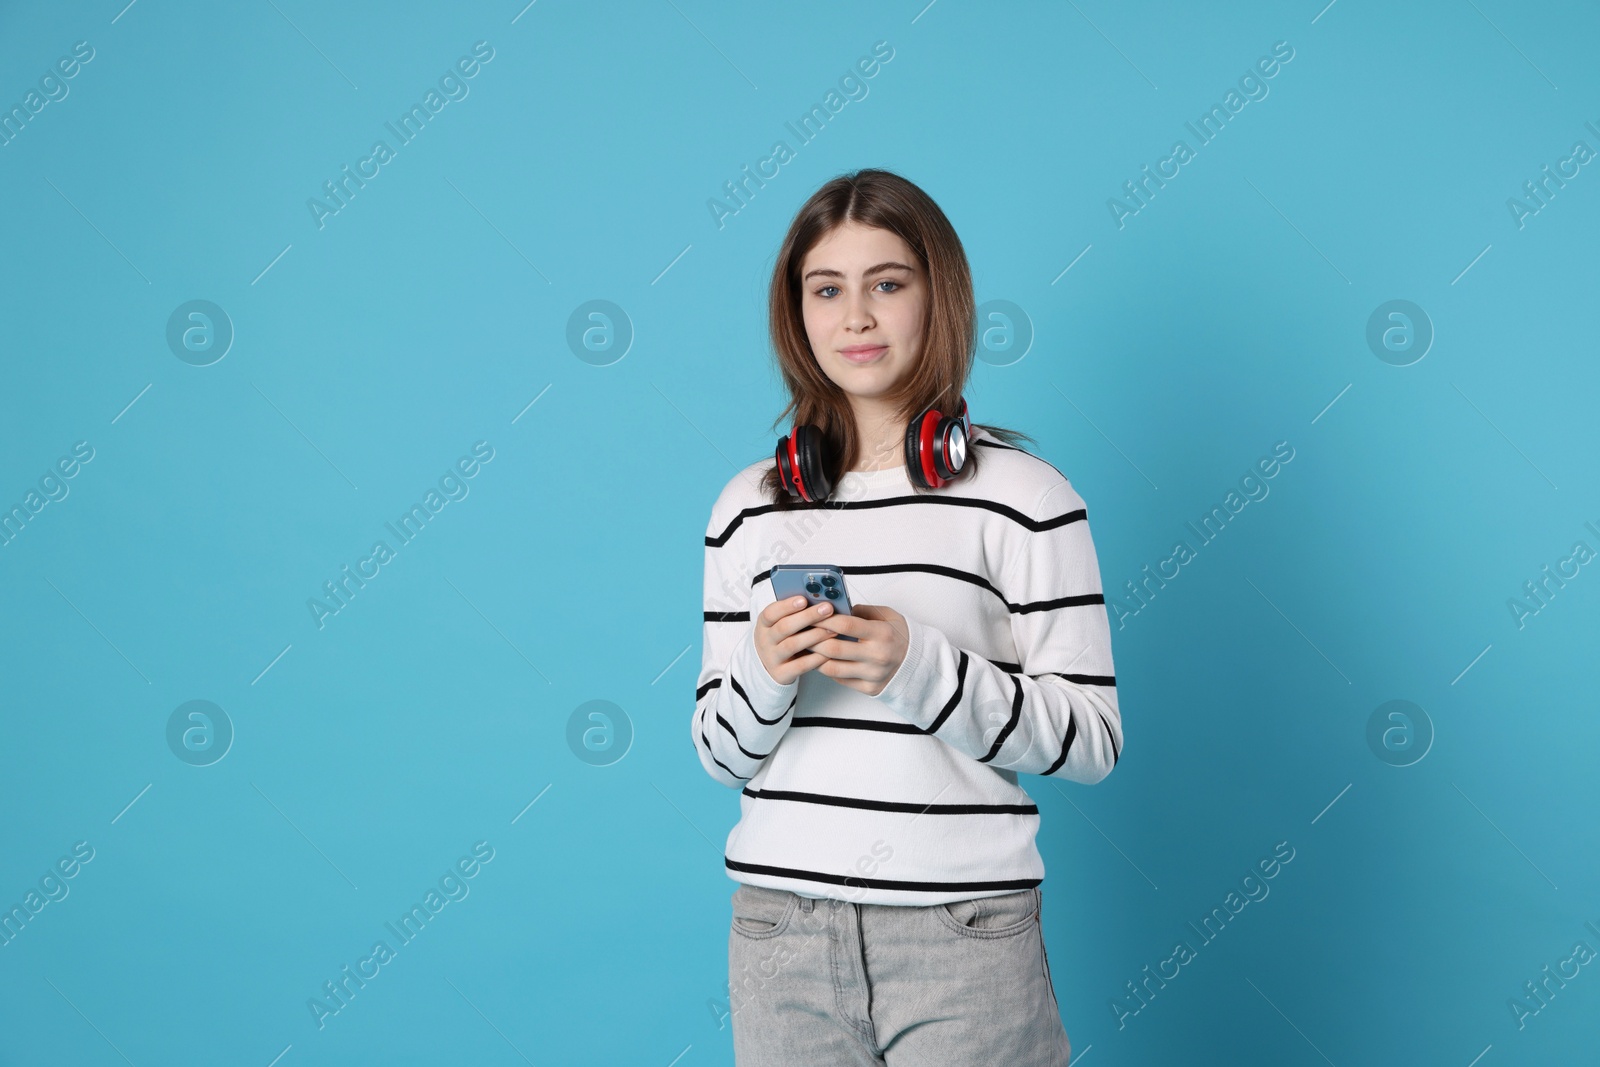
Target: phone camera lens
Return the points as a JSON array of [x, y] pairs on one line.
[[832, 594], [813, 588], [829, 580]]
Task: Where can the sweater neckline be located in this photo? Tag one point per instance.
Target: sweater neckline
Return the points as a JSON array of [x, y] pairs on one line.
[[888, 477], [897, 476]]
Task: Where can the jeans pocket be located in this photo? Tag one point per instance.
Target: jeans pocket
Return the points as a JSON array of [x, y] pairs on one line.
[[760, 912], [988, 917]]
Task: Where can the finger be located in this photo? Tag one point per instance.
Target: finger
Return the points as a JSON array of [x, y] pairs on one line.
[[779, 609], [835, 648], [841, 670], [806, 662], [847, 624], [808, 638], [799, 620]]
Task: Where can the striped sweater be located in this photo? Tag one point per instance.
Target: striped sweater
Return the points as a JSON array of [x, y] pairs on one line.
[[910, 796]]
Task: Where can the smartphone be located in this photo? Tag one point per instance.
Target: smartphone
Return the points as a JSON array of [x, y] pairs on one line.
[[818, 583]]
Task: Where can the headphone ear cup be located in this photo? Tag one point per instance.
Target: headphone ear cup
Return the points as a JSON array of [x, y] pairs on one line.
[[809, 451], [780, 459], [914, 453], [950, 456], [936, 448]]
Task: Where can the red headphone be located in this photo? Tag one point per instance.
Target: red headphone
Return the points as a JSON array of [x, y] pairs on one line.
[[936, 452]]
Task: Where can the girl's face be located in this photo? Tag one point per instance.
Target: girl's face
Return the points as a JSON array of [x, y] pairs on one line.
[[864, 299]]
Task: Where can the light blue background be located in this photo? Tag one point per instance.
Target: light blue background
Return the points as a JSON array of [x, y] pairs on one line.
[[1227, 315]]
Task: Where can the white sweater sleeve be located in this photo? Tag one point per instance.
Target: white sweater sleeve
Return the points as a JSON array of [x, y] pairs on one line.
[[1059, 715], [741, 712]]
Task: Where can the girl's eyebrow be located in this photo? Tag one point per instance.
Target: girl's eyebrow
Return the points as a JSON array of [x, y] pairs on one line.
[[830, 273]]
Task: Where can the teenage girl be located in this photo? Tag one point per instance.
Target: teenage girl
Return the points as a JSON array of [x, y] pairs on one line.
[[888, 907]]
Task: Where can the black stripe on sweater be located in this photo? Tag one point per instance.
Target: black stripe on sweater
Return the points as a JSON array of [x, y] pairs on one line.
[[1083, 679], [900, 568], [876, 883], [1016, 717], [890, 805], [1076, 601], [1081, 600], [705, 741], [991, 443], [941, 500], [856, 724], [1115, 755], [757, 756], [737, 688], [1072, 733], [792, 702], [1066, 747], [955, 698]]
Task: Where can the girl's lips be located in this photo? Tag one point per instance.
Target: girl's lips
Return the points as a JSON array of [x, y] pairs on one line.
[[865, 355]]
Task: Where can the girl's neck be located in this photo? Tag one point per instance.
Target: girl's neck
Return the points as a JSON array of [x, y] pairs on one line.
[[880, 438]]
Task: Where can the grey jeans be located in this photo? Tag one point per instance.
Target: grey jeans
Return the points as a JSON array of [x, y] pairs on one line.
[[849, 985]]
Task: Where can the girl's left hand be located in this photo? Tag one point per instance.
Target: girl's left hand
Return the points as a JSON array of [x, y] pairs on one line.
[[868, 663]]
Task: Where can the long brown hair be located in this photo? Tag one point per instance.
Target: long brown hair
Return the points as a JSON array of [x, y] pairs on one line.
[[887, 201]]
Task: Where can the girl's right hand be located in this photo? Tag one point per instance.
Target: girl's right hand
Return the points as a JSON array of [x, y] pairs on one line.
[[782, 636]]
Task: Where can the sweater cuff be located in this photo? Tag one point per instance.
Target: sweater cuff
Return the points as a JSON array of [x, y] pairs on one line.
[[767, 696], [907, 691]]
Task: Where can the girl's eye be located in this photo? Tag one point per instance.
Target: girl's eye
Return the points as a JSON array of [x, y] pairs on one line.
[[824, 291]]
